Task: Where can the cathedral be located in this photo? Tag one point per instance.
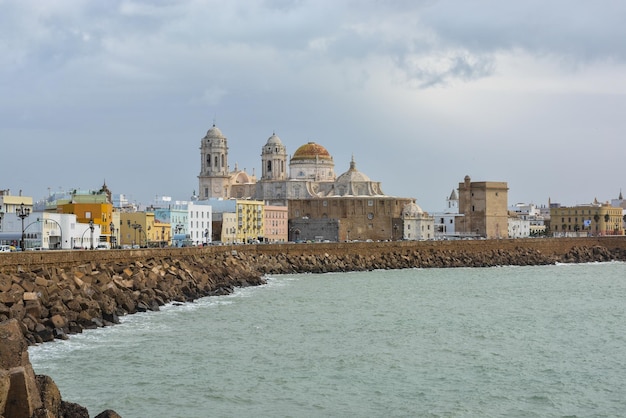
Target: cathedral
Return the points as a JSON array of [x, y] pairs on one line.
[[321, 204]]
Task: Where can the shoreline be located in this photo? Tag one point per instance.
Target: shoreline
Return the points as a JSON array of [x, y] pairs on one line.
[[53, 294]]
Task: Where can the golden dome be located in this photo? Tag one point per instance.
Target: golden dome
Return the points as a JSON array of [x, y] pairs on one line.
[[310, 151]]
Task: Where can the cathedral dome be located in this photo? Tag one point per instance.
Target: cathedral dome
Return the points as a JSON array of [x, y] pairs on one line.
[[311, 151], [412, 210], [352, 175]]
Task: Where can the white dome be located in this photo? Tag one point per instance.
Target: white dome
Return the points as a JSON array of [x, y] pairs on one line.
[[412, 210], [352, 175]]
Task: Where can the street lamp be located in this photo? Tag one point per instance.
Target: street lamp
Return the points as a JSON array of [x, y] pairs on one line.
[[206, 236], [135, 226], [112, 239], [22, 212], [1, 215], [91, 227]]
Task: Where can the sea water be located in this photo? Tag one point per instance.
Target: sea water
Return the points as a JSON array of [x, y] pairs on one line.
[[545, 341]]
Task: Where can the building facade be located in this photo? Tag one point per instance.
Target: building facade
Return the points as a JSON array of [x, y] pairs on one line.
[[418, 225], [276, 224], [595, 219]]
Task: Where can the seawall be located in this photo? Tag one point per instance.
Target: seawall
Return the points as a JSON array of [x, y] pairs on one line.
[[56, 293]]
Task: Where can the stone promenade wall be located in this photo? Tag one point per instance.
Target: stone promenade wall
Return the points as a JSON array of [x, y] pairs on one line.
[[56, 293]]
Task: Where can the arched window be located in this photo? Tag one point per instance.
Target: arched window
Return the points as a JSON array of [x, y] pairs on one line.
[[222, 161], [216, 162], [269, 166], [208, 161]]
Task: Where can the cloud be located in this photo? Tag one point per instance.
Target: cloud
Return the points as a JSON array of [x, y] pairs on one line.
[[411, 87]]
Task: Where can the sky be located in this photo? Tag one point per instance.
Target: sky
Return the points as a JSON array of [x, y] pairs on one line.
[[420, 92]]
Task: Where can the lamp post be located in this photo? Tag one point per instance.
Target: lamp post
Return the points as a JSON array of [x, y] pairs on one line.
[[206, 236], [112, 239], [135, 226], [91, 227], [162, 236], [22, 212], [1, 216]]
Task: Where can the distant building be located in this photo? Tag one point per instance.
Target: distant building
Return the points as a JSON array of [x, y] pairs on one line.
[[446, 221], [620, 203], [583, 220], [249, 219], [417, 224], [88, 206], [484, 206], [517, 226], [276, 224], [528, 213]]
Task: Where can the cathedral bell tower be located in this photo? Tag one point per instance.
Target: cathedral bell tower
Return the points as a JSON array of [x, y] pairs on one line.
[[213, 178], [274, 159]]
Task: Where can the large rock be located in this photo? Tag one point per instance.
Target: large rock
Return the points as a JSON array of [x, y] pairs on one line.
[[22, 393]]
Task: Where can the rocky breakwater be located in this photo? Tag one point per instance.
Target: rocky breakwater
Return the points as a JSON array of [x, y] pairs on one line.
[[436, 257], [51, 302]]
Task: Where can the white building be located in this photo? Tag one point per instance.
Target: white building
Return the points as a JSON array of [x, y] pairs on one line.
[[200, 218], [49, 231], [518, 227], [418, 225], [531, 213], [445, 221]]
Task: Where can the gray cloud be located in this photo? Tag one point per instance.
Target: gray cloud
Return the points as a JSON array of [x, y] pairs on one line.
[[423, 92]]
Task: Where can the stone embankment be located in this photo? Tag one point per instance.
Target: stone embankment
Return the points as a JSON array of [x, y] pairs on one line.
[[49, 295], [53, 294]]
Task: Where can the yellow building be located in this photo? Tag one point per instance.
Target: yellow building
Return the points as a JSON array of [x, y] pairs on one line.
[[101, 213], [584, 220], [141, 229], [250, 215]]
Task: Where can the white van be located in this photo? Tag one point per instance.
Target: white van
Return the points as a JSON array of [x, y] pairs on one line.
[[5, 248]]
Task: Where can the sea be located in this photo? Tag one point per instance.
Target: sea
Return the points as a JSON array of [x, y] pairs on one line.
[[534, 341]]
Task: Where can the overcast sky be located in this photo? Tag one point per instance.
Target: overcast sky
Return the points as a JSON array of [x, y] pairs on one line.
[[421, 93]]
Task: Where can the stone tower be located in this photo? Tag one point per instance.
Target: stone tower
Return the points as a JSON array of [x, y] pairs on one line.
[[274, 159], [214, 172]]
